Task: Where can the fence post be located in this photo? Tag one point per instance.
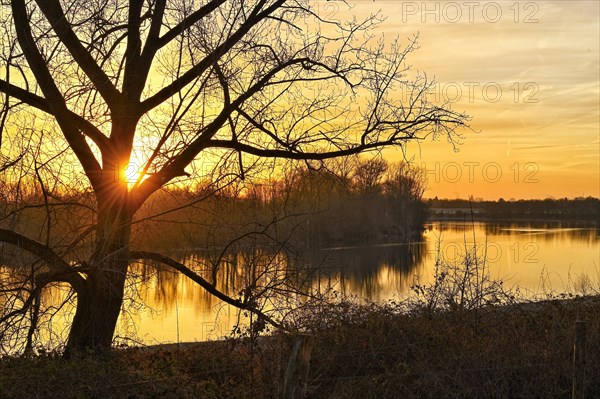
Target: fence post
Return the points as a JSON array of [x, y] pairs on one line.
[[579, 360], [296, 374]]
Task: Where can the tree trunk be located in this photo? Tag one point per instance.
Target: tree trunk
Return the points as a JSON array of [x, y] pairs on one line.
[[99, 303], [98, 310]]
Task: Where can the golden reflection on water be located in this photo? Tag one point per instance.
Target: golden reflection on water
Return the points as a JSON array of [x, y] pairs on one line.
[[538, 258], [176, 309]]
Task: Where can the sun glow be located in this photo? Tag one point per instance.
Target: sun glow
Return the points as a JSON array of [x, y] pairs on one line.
[[131, 174]]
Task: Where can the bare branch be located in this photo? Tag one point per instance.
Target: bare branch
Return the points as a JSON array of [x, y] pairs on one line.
[[186, 23], [56, 101], [133, 82], [60, 268], [181, 268], [53, 11], [185, 79], [40, 103]]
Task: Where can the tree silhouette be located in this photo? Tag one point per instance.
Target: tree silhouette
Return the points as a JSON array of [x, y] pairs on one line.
[[168, 83]]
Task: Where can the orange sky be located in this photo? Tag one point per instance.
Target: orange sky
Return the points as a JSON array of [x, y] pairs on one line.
[[527, 73]]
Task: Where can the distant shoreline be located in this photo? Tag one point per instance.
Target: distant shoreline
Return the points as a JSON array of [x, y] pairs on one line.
[[585, 210], [481, 218]]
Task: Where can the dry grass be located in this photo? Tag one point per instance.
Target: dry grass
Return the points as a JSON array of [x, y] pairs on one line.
[[373, 351], [505, 351]]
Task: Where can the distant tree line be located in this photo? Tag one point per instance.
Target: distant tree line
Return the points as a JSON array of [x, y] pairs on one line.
[[344, 201], [357, 201], [580, 208], [349, 201]]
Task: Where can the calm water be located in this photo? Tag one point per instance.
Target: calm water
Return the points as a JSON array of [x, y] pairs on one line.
[[536, 257]]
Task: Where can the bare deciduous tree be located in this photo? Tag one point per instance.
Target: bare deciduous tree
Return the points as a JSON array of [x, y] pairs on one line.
[[369, 174], [170, 83]]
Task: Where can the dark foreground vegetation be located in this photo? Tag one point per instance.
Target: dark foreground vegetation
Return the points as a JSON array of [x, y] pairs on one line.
[[516, 351]]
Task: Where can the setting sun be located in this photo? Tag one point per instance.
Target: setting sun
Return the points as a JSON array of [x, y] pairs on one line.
[[131, 173]]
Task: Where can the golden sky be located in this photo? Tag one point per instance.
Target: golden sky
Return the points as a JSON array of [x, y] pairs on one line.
[[527, 73]]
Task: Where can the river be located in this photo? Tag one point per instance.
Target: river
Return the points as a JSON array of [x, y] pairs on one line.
[[537, 257]]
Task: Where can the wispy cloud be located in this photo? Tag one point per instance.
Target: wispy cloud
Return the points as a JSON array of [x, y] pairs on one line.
[[558, 57]]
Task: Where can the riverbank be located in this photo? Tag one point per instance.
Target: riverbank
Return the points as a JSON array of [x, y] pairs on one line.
[[576, 209], [468, 218], [520, 350]]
